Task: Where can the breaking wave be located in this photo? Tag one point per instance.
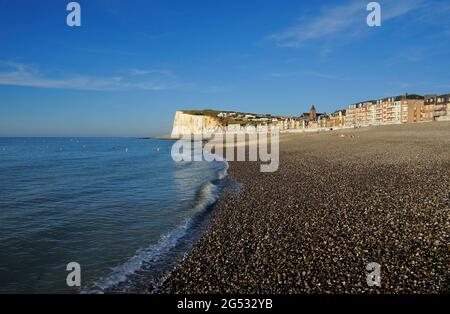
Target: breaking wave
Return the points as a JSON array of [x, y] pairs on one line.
[[206, 196]]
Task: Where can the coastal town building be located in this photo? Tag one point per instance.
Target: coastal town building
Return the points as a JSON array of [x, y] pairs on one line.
[[311, 115], [335, 119], [428, 108], [407, 108], [444, 101], [391, 110], [350, 118], [442, 108], [435, 107], [411, 106], [397, 109], [378, 112], [311, 119], [359, 114]]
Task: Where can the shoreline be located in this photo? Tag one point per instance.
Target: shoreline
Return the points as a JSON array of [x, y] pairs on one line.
[[312, 226], [207, 196]]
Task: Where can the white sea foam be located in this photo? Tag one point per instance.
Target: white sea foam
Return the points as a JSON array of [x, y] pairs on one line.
[[207, 195], [223, 173]]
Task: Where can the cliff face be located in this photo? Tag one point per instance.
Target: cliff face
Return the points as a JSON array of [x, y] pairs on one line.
[[194, 124]]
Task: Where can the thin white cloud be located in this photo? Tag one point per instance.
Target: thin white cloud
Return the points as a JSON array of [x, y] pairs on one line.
[[304, 73], [320, 75], [142, 72], [284, 74], [416, 53], [340, 21], [443, 86], [16, 74]]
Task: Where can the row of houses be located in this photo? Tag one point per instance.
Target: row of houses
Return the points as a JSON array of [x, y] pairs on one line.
[[408, 108], [399, 109]]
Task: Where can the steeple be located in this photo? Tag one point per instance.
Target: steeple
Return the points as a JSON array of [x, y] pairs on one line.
[[313, 113]]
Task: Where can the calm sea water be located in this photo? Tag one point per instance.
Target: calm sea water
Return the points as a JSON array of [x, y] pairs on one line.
[[121, 208]]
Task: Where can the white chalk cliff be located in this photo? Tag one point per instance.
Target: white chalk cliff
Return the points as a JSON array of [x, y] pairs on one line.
[[184, 123]]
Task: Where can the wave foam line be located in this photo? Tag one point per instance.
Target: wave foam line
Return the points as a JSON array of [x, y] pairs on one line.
[[206, 196]]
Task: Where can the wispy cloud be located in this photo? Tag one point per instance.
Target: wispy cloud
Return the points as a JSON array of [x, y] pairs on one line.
[[17, 74], [340, 21], [443, 86], [320, 75], [284, 74], [304, 73], [143, 72], [416, 54]]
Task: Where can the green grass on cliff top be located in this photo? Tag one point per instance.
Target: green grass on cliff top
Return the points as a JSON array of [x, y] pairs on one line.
[[225, 121], [214, 113], [204, 112]]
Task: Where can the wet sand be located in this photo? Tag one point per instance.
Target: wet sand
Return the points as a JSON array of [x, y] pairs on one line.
[[339, 201]]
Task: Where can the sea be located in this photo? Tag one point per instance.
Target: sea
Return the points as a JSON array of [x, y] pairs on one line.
[[120, 208]]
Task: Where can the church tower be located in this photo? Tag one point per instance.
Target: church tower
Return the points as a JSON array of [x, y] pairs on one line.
[[313, 113]]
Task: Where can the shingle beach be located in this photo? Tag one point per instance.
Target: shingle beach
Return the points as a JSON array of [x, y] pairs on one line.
[[339, 201]]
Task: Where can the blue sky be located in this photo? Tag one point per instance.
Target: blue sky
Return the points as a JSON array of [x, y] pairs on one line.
[[131, 64]]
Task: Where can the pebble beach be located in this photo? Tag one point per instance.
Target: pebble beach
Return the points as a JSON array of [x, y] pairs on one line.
[[339, 200]]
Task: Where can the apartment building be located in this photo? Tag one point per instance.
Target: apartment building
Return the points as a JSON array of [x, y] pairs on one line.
[[428, 108], [442, 107], [389, 114], [372, 113], [357, 114], [408, 108], [390, 110], [336, 119], [363, 114], [404, 110], [377, 112], [396, 110], [413, 104], [350, 119]]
